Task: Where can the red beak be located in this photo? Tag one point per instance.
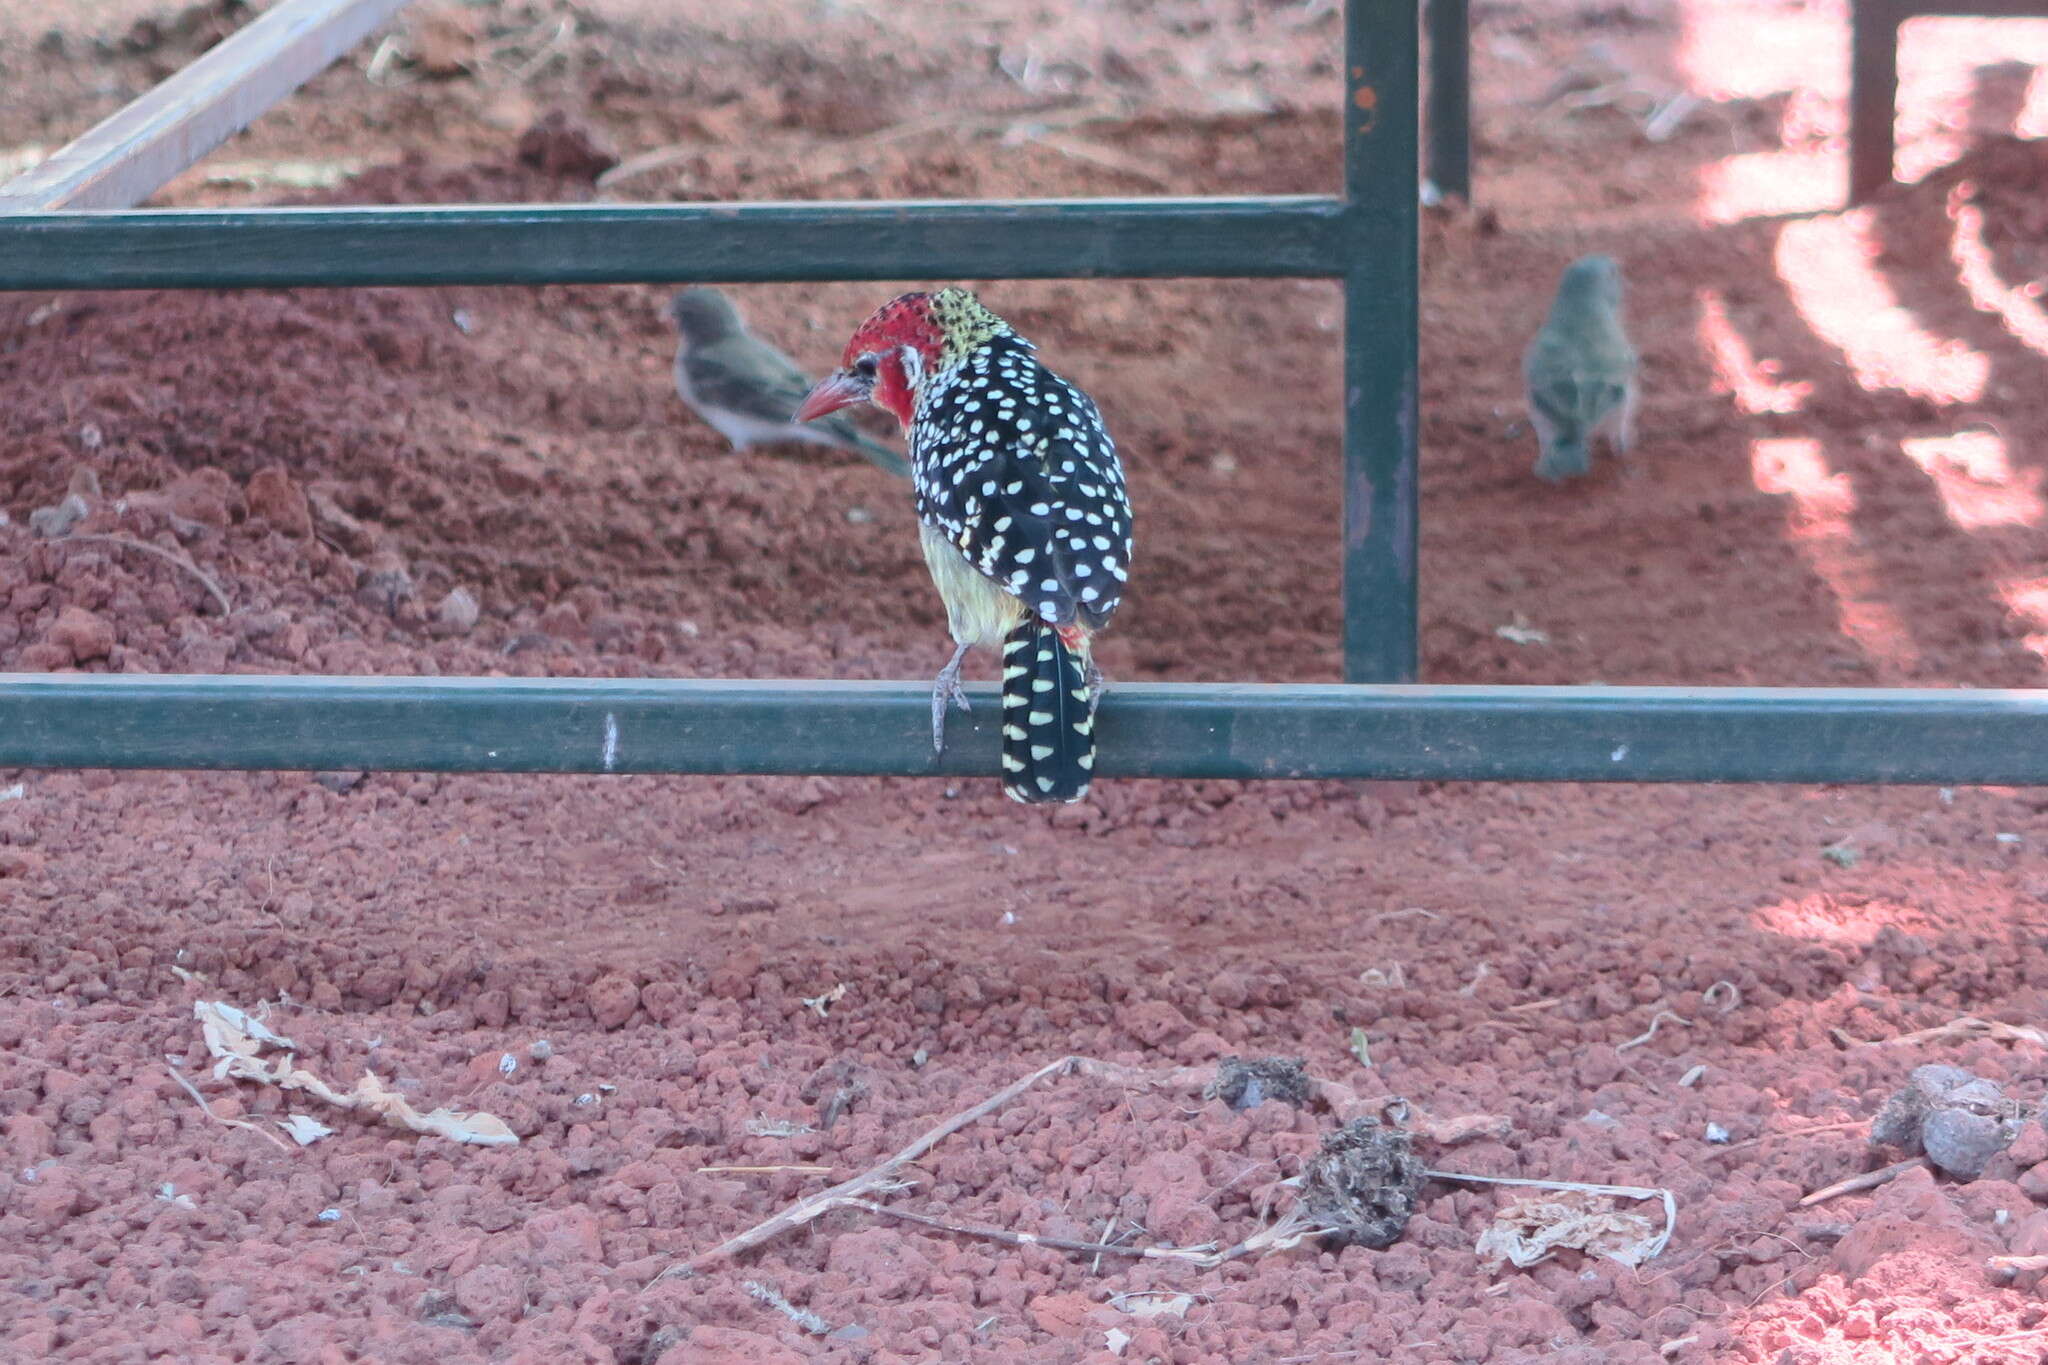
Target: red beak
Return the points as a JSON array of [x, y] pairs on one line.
[[835, 391]]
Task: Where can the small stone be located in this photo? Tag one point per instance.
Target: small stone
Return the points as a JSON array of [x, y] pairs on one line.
[[1960, 1121], [338, 526], [85, 635], [19, 862], [43, 657], [1155, 1023], [442, 39], [612, 1000], [279, 501], [1245, 1085], [558, 145], [57, 520], [457, 613], [491, 1293], [206, 496], [385, 583]]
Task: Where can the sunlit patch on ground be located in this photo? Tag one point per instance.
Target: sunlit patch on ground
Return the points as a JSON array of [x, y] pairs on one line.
[[1825, 917], [1752, 382], [2017, 306], [1819, 523], [1771, 184], [2027, 600], [1976, 481], [1950, 91], [1828, 266]]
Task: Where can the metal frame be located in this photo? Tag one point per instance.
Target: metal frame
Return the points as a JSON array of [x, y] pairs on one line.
[[1186, 730], [1367, 239], [1874, 76], [1448, 124]]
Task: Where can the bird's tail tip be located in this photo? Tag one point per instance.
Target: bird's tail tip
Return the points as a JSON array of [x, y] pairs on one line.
[[1565, 460], [1048, 718]]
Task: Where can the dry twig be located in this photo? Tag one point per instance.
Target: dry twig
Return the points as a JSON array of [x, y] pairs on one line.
[[206, 1108], [1790, 1133], [1411, 912], [1969, 1026], [1659, 1017], [1278, 1236], [875, 1177], [107, 538], [1869, 1180]]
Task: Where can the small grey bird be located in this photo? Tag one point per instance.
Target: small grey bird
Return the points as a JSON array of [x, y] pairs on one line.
[[747, 389], [1581, 371]]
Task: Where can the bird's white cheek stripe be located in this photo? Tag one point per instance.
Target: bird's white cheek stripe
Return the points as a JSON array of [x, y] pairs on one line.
[[913, 365]]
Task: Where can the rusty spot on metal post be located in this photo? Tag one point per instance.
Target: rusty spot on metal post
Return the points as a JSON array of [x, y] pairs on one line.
[[1365, 97]]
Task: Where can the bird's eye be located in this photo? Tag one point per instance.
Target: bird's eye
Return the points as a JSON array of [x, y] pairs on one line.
[[865, 367]]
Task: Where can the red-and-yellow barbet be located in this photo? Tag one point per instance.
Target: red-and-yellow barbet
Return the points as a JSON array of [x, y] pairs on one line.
[[1025, 522]]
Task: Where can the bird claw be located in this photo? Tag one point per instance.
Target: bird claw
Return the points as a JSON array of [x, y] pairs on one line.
[[946, 687], [1096, 685]]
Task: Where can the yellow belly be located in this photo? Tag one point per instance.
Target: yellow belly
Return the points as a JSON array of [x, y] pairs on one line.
[[978, 612]]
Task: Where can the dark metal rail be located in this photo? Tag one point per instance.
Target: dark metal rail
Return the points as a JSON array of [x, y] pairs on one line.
[[1449, 124], [1874, 76], [1536, 734], [675, 243]]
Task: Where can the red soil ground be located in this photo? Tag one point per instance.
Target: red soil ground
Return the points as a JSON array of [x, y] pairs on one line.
[[1839, 483]]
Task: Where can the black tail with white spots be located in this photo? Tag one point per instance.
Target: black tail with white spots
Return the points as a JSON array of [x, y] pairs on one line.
[[1048, 724]]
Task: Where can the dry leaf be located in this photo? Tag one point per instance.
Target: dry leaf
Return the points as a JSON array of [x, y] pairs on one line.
[[304, 1129], [821, 1003], [221, 1021], [1152, 1303], [1531, 1228], [237, 1041]]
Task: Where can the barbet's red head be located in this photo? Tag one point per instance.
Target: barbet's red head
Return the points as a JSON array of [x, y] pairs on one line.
[[902, 344]]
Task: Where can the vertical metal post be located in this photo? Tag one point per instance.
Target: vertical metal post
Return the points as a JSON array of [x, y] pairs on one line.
[[1449, 122], [1873, 95], [1381, 55]]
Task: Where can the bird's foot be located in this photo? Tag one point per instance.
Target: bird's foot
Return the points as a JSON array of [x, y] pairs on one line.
[[946, 687]]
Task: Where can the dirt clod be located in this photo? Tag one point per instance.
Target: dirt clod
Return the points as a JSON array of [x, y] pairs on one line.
[[559, 145], [58, 518], [1362, 1184], [1245, 1085], [1959, 1120]]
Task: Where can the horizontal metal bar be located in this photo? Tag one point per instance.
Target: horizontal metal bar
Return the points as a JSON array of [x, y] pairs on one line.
[[1568, 734], [1985, 9], [130, 155], [675, 243]]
